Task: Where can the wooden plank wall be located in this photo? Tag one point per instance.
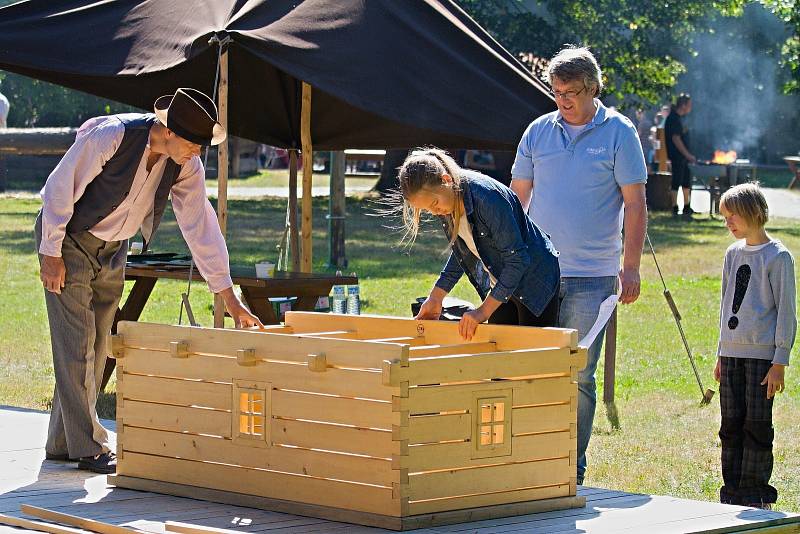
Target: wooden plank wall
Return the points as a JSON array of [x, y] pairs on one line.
[[438, 458], [432, 332], [330, 429]]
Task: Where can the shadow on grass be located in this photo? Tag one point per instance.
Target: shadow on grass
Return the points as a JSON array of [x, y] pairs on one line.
[[17, 242]]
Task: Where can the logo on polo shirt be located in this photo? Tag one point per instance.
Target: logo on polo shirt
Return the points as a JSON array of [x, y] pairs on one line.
[[595, 151]]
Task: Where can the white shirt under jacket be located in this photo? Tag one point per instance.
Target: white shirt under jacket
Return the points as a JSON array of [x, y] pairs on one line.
[[96, 141]]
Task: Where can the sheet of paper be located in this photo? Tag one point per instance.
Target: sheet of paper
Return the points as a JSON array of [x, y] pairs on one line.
[[606, 309]]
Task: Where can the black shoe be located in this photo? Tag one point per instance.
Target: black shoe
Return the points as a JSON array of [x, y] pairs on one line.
[[59, 457], [105, 463], [688, 211], [674, 211]]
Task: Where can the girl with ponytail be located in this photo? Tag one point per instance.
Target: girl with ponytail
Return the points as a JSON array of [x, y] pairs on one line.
[[507, 258]]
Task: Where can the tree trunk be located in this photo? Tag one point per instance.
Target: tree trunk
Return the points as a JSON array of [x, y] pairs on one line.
[[391, 163]]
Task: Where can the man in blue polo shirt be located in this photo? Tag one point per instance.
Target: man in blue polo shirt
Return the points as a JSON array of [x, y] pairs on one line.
[[587, 165]]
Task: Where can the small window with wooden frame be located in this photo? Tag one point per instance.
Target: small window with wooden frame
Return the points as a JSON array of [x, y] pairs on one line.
[[491, 423], [251, 413]]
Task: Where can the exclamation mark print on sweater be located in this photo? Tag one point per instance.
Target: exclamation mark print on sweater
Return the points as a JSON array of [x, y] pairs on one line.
[[742, 280]]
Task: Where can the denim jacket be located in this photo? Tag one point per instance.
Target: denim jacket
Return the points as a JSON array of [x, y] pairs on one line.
[[516, 251]]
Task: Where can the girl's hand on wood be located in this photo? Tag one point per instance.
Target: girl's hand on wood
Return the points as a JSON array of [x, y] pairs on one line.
[[430, 309], [469, 323]]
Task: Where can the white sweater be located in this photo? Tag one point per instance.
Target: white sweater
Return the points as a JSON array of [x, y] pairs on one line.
[[758, 316]]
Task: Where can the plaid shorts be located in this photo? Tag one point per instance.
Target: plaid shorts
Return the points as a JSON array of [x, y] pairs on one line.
[[746, 432]]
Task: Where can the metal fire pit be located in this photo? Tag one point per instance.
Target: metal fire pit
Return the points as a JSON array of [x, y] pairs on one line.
[[718, 178]]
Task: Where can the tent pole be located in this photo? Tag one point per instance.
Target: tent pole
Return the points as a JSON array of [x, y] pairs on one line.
[[336, 211], [308, 163], [222, 172], [294, 237]]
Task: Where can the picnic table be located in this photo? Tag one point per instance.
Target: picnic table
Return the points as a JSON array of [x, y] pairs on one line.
[[145, 271], [794, 165]]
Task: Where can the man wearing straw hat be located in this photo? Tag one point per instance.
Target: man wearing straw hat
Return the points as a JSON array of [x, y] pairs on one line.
[[112, 182]]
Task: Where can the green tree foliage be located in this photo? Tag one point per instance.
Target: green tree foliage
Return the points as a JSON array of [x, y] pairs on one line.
[[38, 103], [639, 43], [789, 12]]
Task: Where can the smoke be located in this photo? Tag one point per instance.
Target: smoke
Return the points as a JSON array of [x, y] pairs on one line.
[[733, 81]]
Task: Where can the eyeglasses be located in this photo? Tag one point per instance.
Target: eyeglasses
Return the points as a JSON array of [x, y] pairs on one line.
[[567, 95]]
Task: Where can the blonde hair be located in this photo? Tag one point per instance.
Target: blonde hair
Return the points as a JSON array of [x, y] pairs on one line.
[[423, 169], [746, 201]]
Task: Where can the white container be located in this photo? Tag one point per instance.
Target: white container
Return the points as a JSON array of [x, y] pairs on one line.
[[265, 269], [136, 248]]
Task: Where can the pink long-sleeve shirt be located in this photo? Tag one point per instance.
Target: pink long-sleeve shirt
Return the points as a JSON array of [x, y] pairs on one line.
[[97, 140]]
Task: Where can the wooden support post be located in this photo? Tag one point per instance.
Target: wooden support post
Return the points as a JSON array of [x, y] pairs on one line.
[[610, 371], [336, 211], [222, 172], [294, 236], [661, 152], [308, 164], [610, 364]]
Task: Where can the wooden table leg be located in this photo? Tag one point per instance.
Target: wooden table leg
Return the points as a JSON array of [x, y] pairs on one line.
[[259, 304], [795, 175], [307, 303], [130, 311]]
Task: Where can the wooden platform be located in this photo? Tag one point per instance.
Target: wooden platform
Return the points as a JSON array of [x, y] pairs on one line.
[[25, 478]]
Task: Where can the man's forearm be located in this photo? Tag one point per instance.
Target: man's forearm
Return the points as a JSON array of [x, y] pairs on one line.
[[635, 226], [682, 148]]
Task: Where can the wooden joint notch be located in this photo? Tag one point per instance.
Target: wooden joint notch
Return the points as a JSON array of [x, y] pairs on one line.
[[404, 352], [399, 490], [573, 457], [573, 404], [573, 373], [405, 506], [573, 430], [390, 373], [246, 357], [117, 346], [400, 432], [573, 486], [179, 349], [399, 404], [579, 357], [400, 462], [317, 363]]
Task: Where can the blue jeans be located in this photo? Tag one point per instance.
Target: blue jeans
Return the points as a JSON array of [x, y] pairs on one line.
[[580, 303]]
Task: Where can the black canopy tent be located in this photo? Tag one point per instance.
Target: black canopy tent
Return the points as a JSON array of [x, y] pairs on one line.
[[385, 74]]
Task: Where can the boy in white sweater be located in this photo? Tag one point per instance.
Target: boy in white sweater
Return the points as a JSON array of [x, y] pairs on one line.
[[757, 330]]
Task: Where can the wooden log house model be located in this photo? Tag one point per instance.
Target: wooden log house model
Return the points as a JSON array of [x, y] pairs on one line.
[[381, 421]]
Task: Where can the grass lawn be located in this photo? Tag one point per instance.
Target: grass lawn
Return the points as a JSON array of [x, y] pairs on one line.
[[667, 444]]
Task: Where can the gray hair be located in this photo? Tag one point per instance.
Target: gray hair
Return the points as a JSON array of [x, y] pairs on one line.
[[575, 63]]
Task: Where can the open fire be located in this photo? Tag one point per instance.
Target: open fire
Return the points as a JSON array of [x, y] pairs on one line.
[[722, 157]]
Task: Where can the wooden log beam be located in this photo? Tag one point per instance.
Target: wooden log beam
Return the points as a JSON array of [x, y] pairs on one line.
[[80, 522], [222, 172], [308, 163], [36, 141], [294, 235]]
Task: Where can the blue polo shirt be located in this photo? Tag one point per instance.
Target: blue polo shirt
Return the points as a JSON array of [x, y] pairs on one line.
[[577, 197]]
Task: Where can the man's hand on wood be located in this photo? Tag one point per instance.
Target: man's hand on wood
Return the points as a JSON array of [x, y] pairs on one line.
[[53, 273], [242, 317]]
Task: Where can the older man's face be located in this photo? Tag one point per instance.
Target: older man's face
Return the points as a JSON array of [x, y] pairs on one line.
[[575, 101]]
